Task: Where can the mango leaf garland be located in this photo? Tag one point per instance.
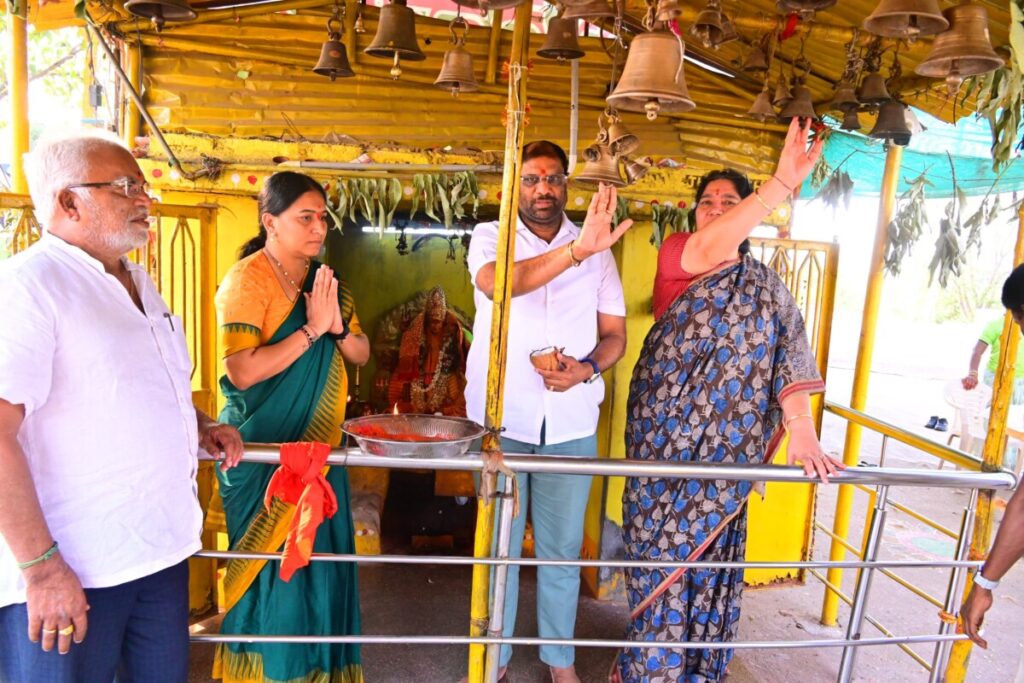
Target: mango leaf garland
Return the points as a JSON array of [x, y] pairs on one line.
[[907, 225]]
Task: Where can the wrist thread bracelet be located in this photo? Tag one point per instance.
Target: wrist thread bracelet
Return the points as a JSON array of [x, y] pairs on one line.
[[310, 337], [50, 552], [763, 202], [796, 417], [783, 184], [576, 263]]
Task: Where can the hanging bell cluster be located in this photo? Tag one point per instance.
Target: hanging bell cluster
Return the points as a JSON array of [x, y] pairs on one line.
[[804, 7], [561, 42], [333, 56], [892, 123], [614, 145], [652, 79], [963, 50], [161, 11], [396, 37], [762, 109], [486, 6], [872, 90], [457, 68], [906, 19], [756, 61]]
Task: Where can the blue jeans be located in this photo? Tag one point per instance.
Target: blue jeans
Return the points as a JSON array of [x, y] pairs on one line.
[[138, 631], [557, 503]]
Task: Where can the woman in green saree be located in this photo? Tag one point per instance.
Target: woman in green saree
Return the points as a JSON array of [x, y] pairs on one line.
[[287, 325]]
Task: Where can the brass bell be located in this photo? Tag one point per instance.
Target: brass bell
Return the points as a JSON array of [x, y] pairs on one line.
[[620, 140], [333, 58], [729, 33], [561, 42], [850, 120], [457, 68], [844, 96], [652, 79], [396, 36], [800, 106], [964, 50], [636, 168], [783, 95], [161, 11], [804, 6], [892, 124], [762, 109], [359, 26], [590, 10], [873, 90], [600, 167], [667, 10], [756, 61], [707, 27], [906, 19]]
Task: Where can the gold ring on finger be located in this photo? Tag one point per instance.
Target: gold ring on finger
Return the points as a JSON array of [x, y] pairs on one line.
[[67, 630]]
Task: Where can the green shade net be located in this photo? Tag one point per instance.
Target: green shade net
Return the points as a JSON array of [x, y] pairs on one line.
[[968, 142]]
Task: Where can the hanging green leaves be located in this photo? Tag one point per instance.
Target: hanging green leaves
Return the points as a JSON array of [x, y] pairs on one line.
[[621, 211], [1000, 98], [376, 200], [445, 196], [666, 219], [838, 191], [907, 225], [821, 172]]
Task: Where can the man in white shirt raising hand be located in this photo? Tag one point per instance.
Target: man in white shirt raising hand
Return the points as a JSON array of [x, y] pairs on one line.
[[566, 294]]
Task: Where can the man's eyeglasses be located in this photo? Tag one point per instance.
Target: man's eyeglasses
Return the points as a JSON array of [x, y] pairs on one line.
[[129, 187], [554, 180]]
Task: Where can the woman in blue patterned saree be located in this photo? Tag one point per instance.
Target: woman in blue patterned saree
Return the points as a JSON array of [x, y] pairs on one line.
[[724, 372]]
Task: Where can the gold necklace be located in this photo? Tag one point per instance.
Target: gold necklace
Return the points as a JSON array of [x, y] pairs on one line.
[[285, 272]]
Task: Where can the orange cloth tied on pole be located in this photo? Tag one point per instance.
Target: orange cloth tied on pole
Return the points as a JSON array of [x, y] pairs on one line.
[[300, 480]]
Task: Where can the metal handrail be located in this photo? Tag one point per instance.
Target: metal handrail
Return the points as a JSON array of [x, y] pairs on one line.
[[939, 450], [353, 457]]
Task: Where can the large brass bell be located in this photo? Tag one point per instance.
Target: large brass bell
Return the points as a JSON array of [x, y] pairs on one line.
[[844, 96], [636, 168], [333, 56], [906, 19], [804, 6], [964, 50], [590, 10], [652, 79], [873, 90], [457, 69], [762, 109], [756, 61], [707, 27], [487, 5], [850, 120], [800, 106], [161, 11], [396, 36], [729, 32], [561, 42], [667, 10], [892, 124], [620, 141], [600, 167]]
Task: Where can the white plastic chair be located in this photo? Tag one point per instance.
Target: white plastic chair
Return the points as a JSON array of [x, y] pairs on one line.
[[970, 418]]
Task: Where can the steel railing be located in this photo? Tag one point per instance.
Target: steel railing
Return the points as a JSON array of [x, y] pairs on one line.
[[881, 478]]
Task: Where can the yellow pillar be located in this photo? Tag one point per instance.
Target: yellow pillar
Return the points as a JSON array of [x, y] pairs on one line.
[[17, 80], [992, 456], [862, 371], [132, 117], [499, 325]]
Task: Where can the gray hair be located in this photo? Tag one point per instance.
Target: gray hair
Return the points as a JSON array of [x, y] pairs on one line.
[[59, 162]]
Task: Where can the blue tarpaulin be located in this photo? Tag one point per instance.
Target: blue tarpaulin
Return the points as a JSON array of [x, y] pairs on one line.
[[968, 142]]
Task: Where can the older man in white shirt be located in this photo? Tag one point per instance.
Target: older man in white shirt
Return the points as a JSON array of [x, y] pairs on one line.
[[98, 437], [566, 294]]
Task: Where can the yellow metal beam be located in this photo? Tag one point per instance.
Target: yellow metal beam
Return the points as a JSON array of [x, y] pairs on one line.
[[501, 305], [493, 46], [131, 26], [862, 370], [992, 459], [17, 79], [132, 116]]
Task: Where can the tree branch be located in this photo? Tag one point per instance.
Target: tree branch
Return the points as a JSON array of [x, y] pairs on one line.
[[47, 71]]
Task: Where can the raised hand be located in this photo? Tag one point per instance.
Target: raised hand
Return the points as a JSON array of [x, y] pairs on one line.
[[597, 234], [796, 161]]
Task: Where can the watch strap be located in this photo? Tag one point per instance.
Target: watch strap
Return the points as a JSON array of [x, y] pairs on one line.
[[981, 581]]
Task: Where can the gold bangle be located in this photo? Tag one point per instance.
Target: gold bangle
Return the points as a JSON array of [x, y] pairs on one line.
[[763, 202], [572, 257], [796, 417]]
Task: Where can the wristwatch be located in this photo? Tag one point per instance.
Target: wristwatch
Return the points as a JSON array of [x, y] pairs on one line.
[[597, 371], [982, 582]]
